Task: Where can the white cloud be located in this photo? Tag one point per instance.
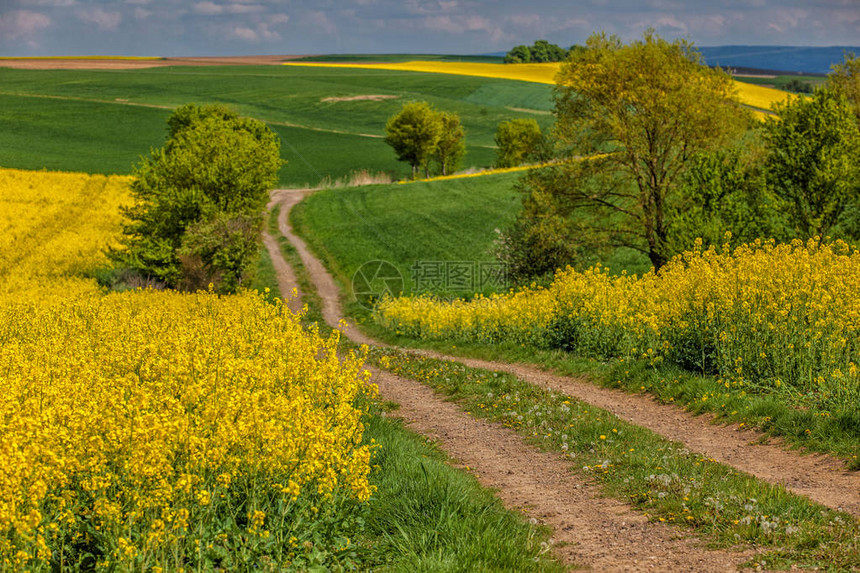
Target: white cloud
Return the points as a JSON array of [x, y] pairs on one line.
[[261, 32], [103, 19], [22, 25], [246, 34], [208, 8]]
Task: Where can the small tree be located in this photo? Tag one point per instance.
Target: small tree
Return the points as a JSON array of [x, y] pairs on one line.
[[414, 134], [452, 143], [811, 163], [518, 141], [212, 162]]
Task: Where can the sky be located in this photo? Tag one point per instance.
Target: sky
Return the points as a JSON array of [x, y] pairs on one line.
[[274, 27]]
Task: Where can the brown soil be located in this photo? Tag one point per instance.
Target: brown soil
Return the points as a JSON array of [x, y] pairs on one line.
[[360, 98], [122, 64]]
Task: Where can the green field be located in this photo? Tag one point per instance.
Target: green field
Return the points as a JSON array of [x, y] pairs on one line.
[[101, 121], [452, 220]]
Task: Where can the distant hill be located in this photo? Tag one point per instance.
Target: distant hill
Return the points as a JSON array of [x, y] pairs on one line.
[[783, 58]]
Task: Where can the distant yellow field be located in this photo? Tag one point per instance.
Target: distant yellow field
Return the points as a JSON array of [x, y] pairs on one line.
[[758, 97], [761, 97]]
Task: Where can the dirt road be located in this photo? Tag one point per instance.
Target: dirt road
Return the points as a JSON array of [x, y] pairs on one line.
[[603, 534]]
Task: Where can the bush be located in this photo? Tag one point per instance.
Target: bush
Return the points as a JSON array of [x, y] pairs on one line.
[[213, 162]]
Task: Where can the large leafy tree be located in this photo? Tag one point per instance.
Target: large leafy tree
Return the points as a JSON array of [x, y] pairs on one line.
[[642, 110], [811, 163], [213, 163], [414, 134]]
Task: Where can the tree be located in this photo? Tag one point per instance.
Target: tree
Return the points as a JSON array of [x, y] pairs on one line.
[[213, 162], [539, 52], [844, 79], [217, 251], [518, 55], [518, 141], [414, 134], [811, 161], [642, 111], [543, 51], [452, 143]]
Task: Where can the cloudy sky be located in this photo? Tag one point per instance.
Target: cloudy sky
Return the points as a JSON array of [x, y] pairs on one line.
[[245, 27]]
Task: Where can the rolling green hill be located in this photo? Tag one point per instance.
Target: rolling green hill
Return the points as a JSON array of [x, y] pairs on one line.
[[102, 121]]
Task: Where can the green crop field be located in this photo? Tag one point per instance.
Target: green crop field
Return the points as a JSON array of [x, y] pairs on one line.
[[453, 220], [102, 121]]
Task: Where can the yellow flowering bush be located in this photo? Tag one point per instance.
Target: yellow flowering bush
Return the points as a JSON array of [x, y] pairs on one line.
[[781, 317]]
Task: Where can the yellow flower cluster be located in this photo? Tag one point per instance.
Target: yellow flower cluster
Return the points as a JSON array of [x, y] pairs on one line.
[[55, 226], [759, 97], [763, 316], [124, 418]]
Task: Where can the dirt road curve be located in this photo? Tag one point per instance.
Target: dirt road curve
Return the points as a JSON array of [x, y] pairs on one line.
[[605, 535]]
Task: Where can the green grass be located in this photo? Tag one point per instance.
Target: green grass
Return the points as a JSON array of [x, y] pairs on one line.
[[451, 220], [425, 515], [104, 120], [67, 135]]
